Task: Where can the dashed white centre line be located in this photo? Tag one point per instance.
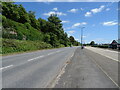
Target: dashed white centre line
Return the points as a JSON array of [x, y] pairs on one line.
[[43, 56], [36, 58], [51, 53], [58, 51], [6, 67], [54, 52]]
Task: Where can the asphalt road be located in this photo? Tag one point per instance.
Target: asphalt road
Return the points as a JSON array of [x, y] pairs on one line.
[[90, 68], [87, 68], [35, 69]]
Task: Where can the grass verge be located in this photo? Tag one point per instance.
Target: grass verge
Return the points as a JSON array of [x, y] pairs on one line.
[[10, 46]]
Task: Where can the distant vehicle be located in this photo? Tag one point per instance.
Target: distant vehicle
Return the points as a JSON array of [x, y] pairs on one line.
[[82, 47]]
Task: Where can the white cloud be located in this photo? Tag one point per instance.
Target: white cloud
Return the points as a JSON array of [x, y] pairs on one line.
[[101, 40], [76, 24], [84, 36], [79, 24], [83, 23], [110, 23], [88, 14], [65, 21], [96, 10], [81, 9], [107, 9], [55, 9], [73, 10], [77, 39], [53, 12], [71, 32]]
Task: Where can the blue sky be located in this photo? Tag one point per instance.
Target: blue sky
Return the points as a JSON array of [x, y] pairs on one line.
[[100, 19]]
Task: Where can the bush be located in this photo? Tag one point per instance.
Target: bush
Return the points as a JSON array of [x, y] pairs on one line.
[[23, 31], [10, 46], [100, 46]]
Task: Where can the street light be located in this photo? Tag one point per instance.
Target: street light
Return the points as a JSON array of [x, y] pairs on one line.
[[82, 37]]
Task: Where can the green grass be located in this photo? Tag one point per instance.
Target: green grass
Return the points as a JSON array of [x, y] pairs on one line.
[[22, 30], [12, 46]]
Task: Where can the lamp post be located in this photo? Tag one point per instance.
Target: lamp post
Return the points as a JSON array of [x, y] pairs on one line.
[[82, 37]]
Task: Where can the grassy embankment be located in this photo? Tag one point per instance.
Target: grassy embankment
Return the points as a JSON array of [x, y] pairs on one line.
[[15, 46], [13, 34]]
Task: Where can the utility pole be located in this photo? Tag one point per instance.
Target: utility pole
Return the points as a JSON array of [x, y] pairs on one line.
[[82, 37]]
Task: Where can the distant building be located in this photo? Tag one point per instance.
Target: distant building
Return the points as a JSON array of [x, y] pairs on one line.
[[118, 44], [115, 44]]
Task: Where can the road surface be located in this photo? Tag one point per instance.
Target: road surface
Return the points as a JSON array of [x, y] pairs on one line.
[[90, 68], [87, 68], [33, 70]]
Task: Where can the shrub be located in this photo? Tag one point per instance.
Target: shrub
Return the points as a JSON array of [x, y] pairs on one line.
[[100, 46], [10, 46]]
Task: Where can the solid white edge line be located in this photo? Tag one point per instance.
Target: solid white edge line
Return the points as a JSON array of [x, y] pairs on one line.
[[106, 56], [6, 67], [106, 73]]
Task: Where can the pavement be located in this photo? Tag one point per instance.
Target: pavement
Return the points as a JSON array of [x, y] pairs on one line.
[[90, 68], [105, 52], [68, 67], [34, 69]]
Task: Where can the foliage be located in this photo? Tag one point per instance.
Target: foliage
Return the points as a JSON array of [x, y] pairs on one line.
[[15, 30], [101, 46], [92, 43], [18, 24], [14, 12], [73, 41], [10, 45]]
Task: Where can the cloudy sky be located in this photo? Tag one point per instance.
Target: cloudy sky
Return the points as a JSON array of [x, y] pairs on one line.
[[100, 19]]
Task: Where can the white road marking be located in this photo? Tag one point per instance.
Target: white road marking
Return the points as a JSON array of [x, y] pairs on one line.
[[36, 58], [6, 67], [58, 51], [105, 73], [51, 53], [43, 56], [112, 51], [105, 55], [54, 52], [108, 57]]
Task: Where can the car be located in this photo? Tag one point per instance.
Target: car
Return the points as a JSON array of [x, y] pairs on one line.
[[82, 47]]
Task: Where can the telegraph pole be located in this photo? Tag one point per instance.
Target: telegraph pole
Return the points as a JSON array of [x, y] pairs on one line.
[[82, 37]]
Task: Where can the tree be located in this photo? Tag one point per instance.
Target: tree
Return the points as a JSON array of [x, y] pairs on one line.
[[23, 16], [92, 43], [47, 38], [10, 10], [43, 25], [25, 26], [72, 40], [55, 27], [54, 19], [15, 12], [33, 22]]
